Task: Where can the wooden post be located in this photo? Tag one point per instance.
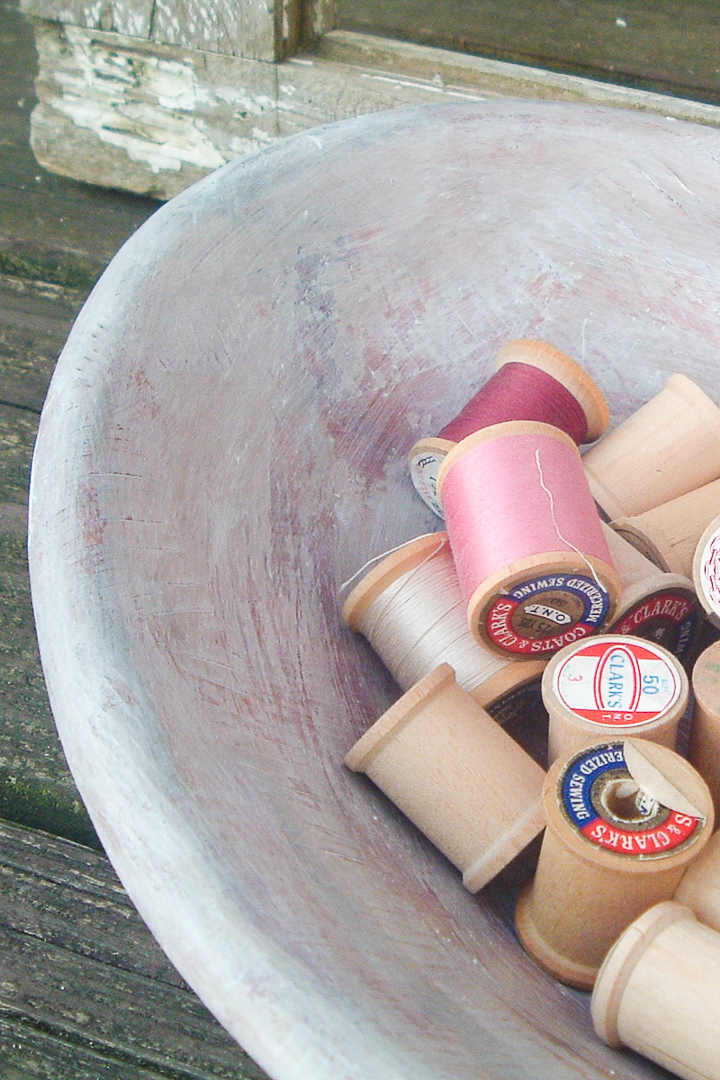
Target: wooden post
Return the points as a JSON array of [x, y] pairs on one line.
[[704, 745], [668, 534]]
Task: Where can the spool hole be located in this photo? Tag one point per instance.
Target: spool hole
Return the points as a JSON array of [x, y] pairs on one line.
[[625, 801]]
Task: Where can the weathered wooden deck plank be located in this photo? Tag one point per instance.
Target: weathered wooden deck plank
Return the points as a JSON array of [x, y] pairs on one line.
[[56, 237], [84, 981]]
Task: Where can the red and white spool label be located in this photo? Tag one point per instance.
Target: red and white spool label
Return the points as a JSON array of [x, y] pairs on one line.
[[710, 572], [617, 682]]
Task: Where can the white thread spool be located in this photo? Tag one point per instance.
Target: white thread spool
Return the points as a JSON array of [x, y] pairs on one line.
[[668, 534], [612, 686], [410, 609], [659, 606], [657, 992], [669, 446], [454, 772]]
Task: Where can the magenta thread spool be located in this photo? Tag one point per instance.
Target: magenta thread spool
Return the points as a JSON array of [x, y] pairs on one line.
[[532, 381], [532, 560], [410, 609]]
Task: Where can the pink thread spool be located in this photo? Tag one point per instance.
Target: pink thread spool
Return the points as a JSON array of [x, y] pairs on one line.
[[410, 609], [669, 446], [455, 773], [532, 381], [532, 560], [659, 606]]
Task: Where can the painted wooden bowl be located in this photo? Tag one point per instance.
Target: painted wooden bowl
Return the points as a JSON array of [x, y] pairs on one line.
[[224, 445]]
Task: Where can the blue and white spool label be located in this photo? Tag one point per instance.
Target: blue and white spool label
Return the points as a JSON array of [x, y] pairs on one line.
[[599, 797], [541, 616]]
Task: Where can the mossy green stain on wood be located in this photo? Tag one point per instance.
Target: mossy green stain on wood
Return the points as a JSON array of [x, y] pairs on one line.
[[54, 268], [40, 806]]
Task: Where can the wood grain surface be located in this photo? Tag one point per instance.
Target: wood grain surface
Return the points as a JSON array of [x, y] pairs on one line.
[[223, 445], [85, 990]]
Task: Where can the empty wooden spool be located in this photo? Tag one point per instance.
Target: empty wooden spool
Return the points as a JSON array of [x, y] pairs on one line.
[[653, 604], [451, 769], [657, 992], [612, 686], [669, 446], [668, 534], [704, 744], [410, 609], [624, 819], [699, 888]]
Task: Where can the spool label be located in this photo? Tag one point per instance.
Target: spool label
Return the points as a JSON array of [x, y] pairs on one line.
[[602, 802], [518, 703], [669, 618], [540, 616], [710, 572], [617, 683], [424, 469]]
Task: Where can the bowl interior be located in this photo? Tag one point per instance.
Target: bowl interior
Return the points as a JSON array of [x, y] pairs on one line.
[[223, 446]]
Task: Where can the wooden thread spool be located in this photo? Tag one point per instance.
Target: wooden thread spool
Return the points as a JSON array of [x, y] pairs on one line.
[[653, 604], [532, 381], [657, 992], [532, 560], [454, 772], [700, 886], [612, 686], [704, 744], [669, 446], [624, 819], [410, 609], [668, 534], [706, 571]]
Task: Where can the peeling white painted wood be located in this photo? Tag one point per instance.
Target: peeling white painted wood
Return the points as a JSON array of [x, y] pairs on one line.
[[126, 114], [246, 28], [130, 17], [256, 29]]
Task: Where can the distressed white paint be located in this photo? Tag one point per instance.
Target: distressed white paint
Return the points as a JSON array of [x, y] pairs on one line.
[[204, 106], [152, 107], [162, 132]]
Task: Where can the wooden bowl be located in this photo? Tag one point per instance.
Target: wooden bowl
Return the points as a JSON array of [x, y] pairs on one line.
[[224, 445]]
